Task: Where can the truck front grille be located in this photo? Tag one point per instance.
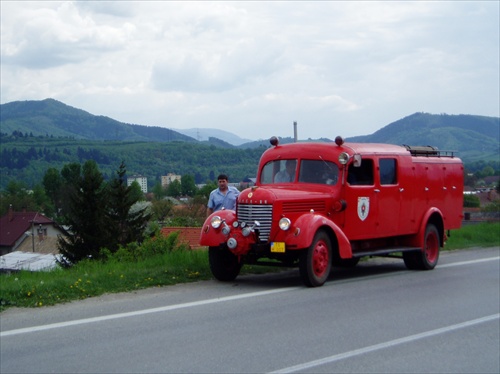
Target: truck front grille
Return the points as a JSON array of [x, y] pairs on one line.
[[250, 213]]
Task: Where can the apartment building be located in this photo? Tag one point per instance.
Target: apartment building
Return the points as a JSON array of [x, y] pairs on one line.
[[143, 182]]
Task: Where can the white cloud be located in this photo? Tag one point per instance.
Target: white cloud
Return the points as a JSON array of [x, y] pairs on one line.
[[253, 68]]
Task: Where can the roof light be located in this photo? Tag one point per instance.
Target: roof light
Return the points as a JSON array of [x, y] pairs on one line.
[[343, 158]]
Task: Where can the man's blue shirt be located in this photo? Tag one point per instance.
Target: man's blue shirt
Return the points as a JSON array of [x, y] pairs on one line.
[[218, 200]]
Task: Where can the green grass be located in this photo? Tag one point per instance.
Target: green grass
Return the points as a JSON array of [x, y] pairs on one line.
[[485, 234], [157, 263]]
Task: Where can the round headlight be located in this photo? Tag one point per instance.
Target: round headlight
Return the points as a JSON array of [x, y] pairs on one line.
[[343, 158], [216, 221], [285, 223]]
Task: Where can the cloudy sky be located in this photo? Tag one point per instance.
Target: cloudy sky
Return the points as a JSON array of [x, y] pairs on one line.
[[255, 67]]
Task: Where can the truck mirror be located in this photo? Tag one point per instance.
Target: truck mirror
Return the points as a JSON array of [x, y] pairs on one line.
[[356, 161]]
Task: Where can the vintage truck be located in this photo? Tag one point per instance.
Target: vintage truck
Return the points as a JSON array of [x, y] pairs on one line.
[[343, 202]]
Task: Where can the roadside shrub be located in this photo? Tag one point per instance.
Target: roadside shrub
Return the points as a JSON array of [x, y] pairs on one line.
[[492, 207], [135, 252], [471, 201]]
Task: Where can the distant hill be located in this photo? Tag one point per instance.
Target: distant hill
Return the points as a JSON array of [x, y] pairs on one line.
[[204, 134], [38, 135], [51, 117], [474, 137]]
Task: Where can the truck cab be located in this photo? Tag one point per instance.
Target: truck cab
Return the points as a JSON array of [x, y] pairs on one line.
[[316, 205]]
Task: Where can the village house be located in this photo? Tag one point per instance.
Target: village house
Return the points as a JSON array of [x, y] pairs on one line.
[[28, 231]]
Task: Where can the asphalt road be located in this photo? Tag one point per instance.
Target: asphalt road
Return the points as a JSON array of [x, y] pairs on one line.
[[375, 318]]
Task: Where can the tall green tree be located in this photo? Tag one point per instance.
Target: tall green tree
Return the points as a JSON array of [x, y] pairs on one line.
[[126, 224], [159, 192], [136, 191], [174, 189], [42, 201], [17, 195], [188, 187], [52, 183], [206, 189], [87, 216], [161, 209]]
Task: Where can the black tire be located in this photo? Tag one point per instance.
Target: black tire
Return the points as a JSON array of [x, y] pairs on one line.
[[427, 258], [223, 264], [315, 262]]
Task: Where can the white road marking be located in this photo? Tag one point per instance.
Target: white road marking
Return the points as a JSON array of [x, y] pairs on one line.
[[145, 311], [184, 305], [391, 343], [468, 262]]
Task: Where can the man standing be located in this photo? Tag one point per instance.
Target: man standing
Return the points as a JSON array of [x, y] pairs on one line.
[[223, 197]]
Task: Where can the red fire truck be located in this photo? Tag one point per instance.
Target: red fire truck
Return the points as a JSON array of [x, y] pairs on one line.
[[339, 202]]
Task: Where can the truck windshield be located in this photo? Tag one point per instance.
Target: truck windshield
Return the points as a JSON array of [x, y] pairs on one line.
[[310, 171]]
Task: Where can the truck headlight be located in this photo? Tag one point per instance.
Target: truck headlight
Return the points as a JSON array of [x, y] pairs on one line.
[[216, 221], [285, 223]]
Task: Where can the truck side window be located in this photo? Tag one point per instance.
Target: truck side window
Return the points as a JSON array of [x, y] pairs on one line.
[[388, 173], [362, 175], [318, 171]]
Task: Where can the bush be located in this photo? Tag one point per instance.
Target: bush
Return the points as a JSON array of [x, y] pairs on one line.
[[135, 252], [471, 201], [493, 207]]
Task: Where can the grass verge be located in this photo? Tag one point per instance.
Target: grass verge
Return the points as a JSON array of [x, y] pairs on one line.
[[129, 270], [486, 234]]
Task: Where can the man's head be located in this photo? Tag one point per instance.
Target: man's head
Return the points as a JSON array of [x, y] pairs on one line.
[[222, 181], [290, 166]]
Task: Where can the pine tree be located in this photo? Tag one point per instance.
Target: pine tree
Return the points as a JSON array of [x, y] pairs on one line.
[[87, 217], [127, 224]]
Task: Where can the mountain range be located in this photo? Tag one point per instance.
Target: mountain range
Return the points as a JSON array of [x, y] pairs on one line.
[[473, 137]]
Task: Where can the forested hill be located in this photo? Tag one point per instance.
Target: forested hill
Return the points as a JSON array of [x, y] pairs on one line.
[[474, 137], [37, 135], [53, 118]]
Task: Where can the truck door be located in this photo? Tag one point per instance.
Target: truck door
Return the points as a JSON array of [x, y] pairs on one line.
[[388, 196], [361, 215]]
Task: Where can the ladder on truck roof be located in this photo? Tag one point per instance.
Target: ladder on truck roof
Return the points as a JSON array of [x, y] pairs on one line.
[[428, 151]]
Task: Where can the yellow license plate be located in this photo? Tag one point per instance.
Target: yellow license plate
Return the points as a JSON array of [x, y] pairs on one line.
[[278, 247]]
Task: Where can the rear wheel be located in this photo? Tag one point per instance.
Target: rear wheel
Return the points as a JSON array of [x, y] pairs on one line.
[[427, 258], [315, 262], [224, 265]]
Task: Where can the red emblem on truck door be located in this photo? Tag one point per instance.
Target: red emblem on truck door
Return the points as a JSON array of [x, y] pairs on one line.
[[363, 207]]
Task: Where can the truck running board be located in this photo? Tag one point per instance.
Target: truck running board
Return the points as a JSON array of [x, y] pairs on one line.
[[386, 251]]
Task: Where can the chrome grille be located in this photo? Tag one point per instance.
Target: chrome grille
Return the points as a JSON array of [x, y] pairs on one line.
[[250, 213]]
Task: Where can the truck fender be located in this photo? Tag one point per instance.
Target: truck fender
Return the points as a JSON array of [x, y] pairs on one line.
[[309, 224], [211, 237], [433, 215]]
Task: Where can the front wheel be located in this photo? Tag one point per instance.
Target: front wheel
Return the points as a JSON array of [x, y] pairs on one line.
[[224, 265], [315, 262], [427, 258]]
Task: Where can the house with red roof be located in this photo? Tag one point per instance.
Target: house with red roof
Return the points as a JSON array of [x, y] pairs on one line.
[[23, 228]]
